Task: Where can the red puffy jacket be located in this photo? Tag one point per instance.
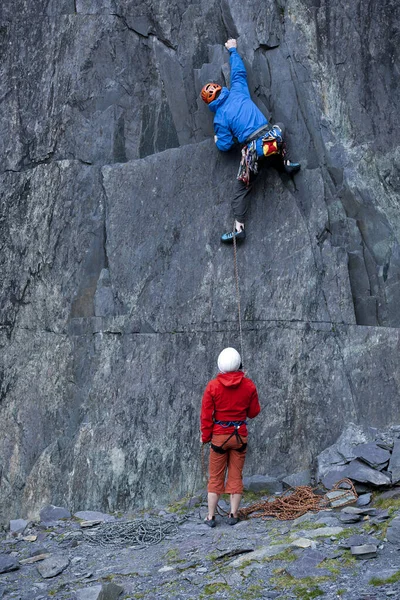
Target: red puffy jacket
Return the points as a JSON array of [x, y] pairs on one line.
[[228, 397]]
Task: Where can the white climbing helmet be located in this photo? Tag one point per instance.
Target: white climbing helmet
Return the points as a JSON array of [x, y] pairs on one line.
[[229, 360]]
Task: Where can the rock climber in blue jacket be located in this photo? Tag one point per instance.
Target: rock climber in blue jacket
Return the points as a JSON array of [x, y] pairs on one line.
[[238, 118]]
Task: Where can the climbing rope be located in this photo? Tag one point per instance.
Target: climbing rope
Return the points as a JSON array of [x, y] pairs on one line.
[[238, 295], [294, 503], [138, 533]]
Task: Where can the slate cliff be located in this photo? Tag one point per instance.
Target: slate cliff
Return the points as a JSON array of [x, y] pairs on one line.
[[116, 296]]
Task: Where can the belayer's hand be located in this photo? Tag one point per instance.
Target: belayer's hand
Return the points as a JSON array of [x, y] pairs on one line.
[[231, 43]]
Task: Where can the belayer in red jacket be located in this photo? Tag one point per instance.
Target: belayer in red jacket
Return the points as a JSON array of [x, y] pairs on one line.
[[228, 401]]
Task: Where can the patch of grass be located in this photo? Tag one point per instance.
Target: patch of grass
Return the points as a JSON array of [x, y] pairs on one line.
[[253, 592], [213, 588], [341, 591], [287, 555], [332, 565], [180, 507], [172, 556], [305, 589], [347, 559], [391, 504], [307, 525], [251, 497], [393, 579], [347, 532], [247, 563], [379, 530], [108, 577]]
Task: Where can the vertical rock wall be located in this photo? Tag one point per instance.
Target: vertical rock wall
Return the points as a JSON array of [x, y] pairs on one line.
[[116, 296]]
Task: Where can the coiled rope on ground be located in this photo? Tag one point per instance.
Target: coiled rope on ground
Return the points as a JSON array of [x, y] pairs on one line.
[[138, 533], [296, 502]]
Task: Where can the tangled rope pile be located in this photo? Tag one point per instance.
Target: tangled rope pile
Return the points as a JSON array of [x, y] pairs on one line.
[[138, 533], [294, 503]]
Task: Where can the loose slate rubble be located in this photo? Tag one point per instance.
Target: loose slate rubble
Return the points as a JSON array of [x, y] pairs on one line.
[[366, 461]]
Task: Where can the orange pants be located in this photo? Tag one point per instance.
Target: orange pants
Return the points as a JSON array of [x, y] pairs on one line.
[[232, 460]]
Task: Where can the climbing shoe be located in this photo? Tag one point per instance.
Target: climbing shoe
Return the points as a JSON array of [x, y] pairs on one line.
[[232, 520], [291, 167], [227, 238], [210, 522]]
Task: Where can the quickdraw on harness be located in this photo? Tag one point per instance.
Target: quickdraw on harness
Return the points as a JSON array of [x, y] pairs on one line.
[[272, 143], [248, 163], [236, 425]]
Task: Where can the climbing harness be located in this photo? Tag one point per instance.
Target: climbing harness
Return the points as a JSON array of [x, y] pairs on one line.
[[294, 503], [236, 425], [272, 143]]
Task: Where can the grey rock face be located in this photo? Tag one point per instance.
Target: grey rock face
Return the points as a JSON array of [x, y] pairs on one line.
[[116, 295]]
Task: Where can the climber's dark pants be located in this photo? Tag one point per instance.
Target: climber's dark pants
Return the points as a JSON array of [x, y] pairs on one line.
[[241, 201]]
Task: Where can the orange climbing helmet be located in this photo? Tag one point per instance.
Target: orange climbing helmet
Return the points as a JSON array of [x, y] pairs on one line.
[[210, 91]]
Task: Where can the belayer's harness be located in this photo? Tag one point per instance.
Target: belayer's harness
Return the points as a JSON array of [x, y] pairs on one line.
[[236, 425]]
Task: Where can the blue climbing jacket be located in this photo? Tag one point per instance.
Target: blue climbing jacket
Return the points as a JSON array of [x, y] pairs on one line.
[[236, 115]]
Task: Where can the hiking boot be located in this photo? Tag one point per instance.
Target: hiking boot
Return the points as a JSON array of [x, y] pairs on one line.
[[210, 522], [227, 238], [232, 520], [291, 167]]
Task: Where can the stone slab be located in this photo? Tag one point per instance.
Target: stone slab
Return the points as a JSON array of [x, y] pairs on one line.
[[363, 500], [372, 454], [324, 532], [358, 540], [52, 513], [89, 593], [260, 554], [394, 464], [8, 563], [53, 566], [18, 526], [111, 591], [393, 532], [297, 479], [363, 552], [93, 515]]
